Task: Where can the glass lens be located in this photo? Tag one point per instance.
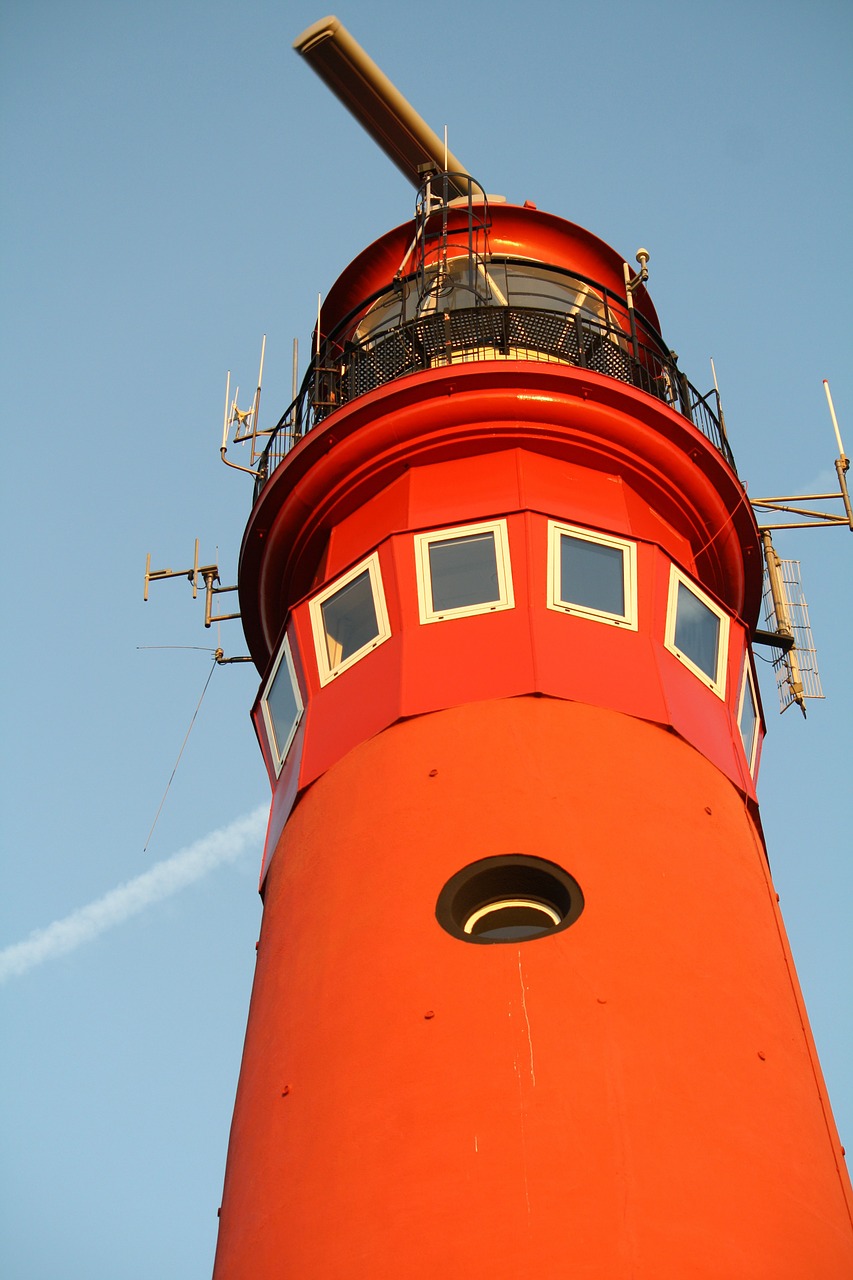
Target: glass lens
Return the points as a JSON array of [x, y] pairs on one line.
[[508, 920]]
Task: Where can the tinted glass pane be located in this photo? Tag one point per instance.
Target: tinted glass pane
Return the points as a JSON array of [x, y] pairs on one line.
[[513, 932], [748, 720], [463, 572], [697, 631], [349, 617], [519, 920], [283, 706], [591, 575]]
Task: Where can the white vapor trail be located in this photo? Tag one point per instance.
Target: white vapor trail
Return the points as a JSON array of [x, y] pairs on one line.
[[165, 878]]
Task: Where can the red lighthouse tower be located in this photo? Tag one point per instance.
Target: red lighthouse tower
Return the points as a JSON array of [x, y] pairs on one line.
[[524, 1004]]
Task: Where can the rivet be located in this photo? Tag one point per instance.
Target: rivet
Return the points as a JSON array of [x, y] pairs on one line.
[[285, 1091], [433, 773], [762, 1056], [430, 1013], [708, 809]]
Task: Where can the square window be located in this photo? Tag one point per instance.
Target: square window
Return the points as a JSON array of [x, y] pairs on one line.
[[748, 718], [282, 706], [592, 575], [697, 631], [349, 619], [463, 571]]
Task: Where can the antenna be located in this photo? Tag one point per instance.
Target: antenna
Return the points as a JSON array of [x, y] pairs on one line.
[[785, 609], [720, 414], [842, 462], [249, 419], [814, 519], [246, 420], [209, 574], [787, 617]]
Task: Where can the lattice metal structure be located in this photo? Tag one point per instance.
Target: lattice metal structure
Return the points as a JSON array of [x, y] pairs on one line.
[[797, 676]]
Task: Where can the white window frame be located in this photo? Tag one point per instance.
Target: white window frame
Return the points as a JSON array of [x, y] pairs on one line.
[[627, 620], [329, 671], [717, 682], [279, 754], [423, 542], [748, 682]]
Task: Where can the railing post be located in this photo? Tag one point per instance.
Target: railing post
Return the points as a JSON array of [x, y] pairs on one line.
[[684, 396], [331, 382], [581, 343]]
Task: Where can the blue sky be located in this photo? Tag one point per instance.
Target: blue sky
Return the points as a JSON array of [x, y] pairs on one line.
[[176, 184]]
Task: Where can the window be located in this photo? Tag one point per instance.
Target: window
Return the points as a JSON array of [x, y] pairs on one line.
[[281, 704], [349, 619], [592, 575], [509, 898], [697, 631], [463, 571], [747, 716]]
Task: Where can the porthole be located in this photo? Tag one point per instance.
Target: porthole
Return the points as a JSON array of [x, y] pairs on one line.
[[509, 898]]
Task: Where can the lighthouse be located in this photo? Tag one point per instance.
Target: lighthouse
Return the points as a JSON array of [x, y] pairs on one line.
[[524, 1003]]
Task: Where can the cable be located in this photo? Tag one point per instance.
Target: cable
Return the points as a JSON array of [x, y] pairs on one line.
[[728, 520], [198, 648], [178, 761]]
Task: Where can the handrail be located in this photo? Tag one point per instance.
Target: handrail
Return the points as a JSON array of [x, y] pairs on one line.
[[343, 370]]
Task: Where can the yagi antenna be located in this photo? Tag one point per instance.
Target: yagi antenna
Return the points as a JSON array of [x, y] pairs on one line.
[[209, 575], [785, 609], [786, 613]]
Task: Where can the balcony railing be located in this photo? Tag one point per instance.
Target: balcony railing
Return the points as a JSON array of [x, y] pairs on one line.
[[343, 371]]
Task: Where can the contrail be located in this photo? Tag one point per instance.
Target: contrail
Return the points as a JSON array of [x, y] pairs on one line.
[[165, 878]]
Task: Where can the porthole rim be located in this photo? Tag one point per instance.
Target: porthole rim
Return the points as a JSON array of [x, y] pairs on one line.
[[459, 898]]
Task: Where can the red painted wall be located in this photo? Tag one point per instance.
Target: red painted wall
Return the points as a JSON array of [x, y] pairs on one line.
[[635, 1096]]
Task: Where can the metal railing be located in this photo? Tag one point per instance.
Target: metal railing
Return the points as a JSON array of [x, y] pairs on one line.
[[343, 371]]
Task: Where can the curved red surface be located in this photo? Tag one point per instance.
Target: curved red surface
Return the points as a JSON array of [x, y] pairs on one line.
[[513, 231], [478, 410], [529, 649], [636, 1096]]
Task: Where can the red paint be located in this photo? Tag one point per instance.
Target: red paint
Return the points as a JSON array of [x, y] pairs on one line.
[[637, 1095], [512, 232]]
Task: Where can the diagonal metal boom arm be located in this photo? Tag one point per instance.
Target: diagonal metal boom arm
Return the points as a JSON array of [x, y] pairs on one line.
[[379, 107]]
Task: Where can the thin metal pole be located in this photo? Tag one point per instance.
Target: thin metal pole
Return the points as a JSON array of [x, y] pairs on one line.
[[834, 419], [783, 619]]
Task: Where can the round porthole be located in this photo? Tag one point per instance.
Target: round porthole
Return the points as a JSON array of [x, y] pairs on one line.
[[509, 898]]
